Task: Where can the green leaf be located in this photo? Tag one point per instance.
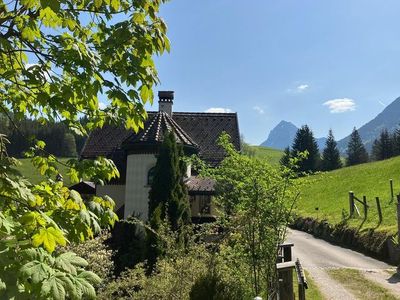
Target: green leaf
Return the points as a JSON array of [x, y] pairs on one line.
[[28, 34], [49, 237], [29, 3], [36, 271], [98, 3], [69, 261], [53, 287], [115, 4]]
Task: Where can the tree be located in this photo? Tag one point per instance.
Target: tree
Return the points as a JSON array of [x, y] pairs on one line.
[[168, 196], [356, 153], [383, 147], [259, 206], [56, 59], [285, 159], [69, 145], [330, 155], [305, 141], [396, 142]]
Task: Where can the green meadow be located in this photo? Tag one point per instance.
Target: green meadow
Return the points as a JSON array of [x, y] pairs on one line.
[[270, 154], [326, 195], [30, 172]]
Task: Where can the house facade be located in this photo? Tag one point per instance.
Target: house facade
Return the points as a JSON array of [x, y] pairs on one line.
[[135, 155]]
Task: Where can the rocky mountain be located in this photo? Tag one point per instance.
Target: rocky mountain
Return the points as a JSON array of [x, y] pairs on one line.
[[389, 118], [282, 136]]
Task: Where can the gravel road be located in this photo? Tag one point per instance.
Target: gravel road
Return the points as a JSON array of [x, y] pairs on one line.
[[317, 255]]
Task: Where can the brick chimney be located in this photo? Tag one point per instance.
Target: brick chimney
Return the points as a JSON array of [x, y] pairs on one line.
[[165, 101]]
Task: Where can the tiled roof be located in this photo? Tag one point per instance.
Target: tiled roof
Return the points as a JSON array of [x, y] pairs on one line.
[[202, 129], [158, 125], [198, 184]]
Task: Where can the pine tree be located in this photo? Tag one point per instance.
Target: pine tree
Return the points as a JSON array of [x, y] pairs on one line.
[[285, 159], [330, 155], [383, 146], [305, 141], [356, 153], [396, 142]]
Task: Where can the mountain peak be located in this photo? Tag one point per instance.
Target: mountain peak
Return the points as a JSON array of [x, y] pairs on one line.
[[281, 136]]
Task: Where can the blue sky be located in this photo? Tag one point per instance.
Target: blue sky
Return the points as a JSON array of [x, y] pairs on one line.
[[328, 64]]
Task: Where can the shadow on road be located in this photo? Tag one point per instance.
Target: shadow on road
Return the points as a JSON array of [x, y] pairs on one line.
[[395, 278]]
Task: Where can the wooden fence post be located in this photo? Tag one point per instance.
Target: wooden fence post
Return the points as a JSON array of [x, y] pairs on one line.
[[351, 203], [391, 190], [378, 206], [365, 207], [398, 218]]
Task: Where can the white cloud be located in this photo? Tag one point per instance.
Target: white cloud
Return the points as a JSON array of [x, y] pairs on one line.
[[258, 109], [381, 103], [302, 87], [218, 110], [340, 105]]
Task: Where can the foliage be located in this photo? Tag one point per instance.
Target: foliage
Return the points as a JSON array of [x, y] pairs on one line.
[[56, 59], [98, 256], [35, 220], [255, 210], [168, 198], [69, 145], [330, 156], [285, 159], [173, 275], [128, 242], [305, 141], [356, 153]]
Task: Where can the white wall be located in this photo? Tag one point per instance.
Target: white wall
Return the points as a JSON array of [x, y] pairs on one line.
[[116, 192], [137, 190]]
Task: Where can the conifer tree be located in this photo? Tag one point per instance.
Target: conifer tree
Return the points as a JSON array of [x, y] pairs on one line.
[[356, 153], [168, 197], [305, 141], [285, 159], [168, 190], [383, 146], [330, 155], [396, 142]]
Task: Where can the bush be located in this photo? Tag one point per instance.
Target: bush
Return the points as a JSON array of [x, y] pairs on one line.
[[172, 278], [98, 255]]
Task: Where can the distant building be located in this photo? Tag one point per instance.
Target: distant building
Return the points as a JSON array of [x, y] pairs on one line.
[[135, 155]]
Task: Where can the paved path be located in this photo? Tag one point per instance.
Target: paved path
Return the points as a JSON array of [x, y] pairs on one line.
[[317, 256]]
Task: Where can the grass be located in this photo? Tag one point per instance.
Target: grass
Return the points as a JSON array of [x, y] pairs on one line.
[[359, 286], [330, 192], [32, 174], [312, 292], [270, 154]]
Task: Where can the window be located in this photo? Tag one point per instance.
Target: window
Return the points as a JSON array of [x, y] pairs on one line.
[[150, 176], [204, 204]]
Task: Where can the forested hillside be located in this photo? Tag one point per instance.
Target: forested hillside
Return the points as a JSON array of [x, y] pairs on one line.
[[59, 140]]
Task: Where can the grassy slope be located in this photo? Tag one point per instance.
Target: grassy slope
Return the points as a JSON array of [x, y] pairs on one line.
[[31, 173], [329, 192], [270, 154]]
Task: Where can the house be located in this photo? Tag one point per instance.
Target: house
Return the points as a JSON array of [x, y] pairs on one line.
[[135, 155]]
